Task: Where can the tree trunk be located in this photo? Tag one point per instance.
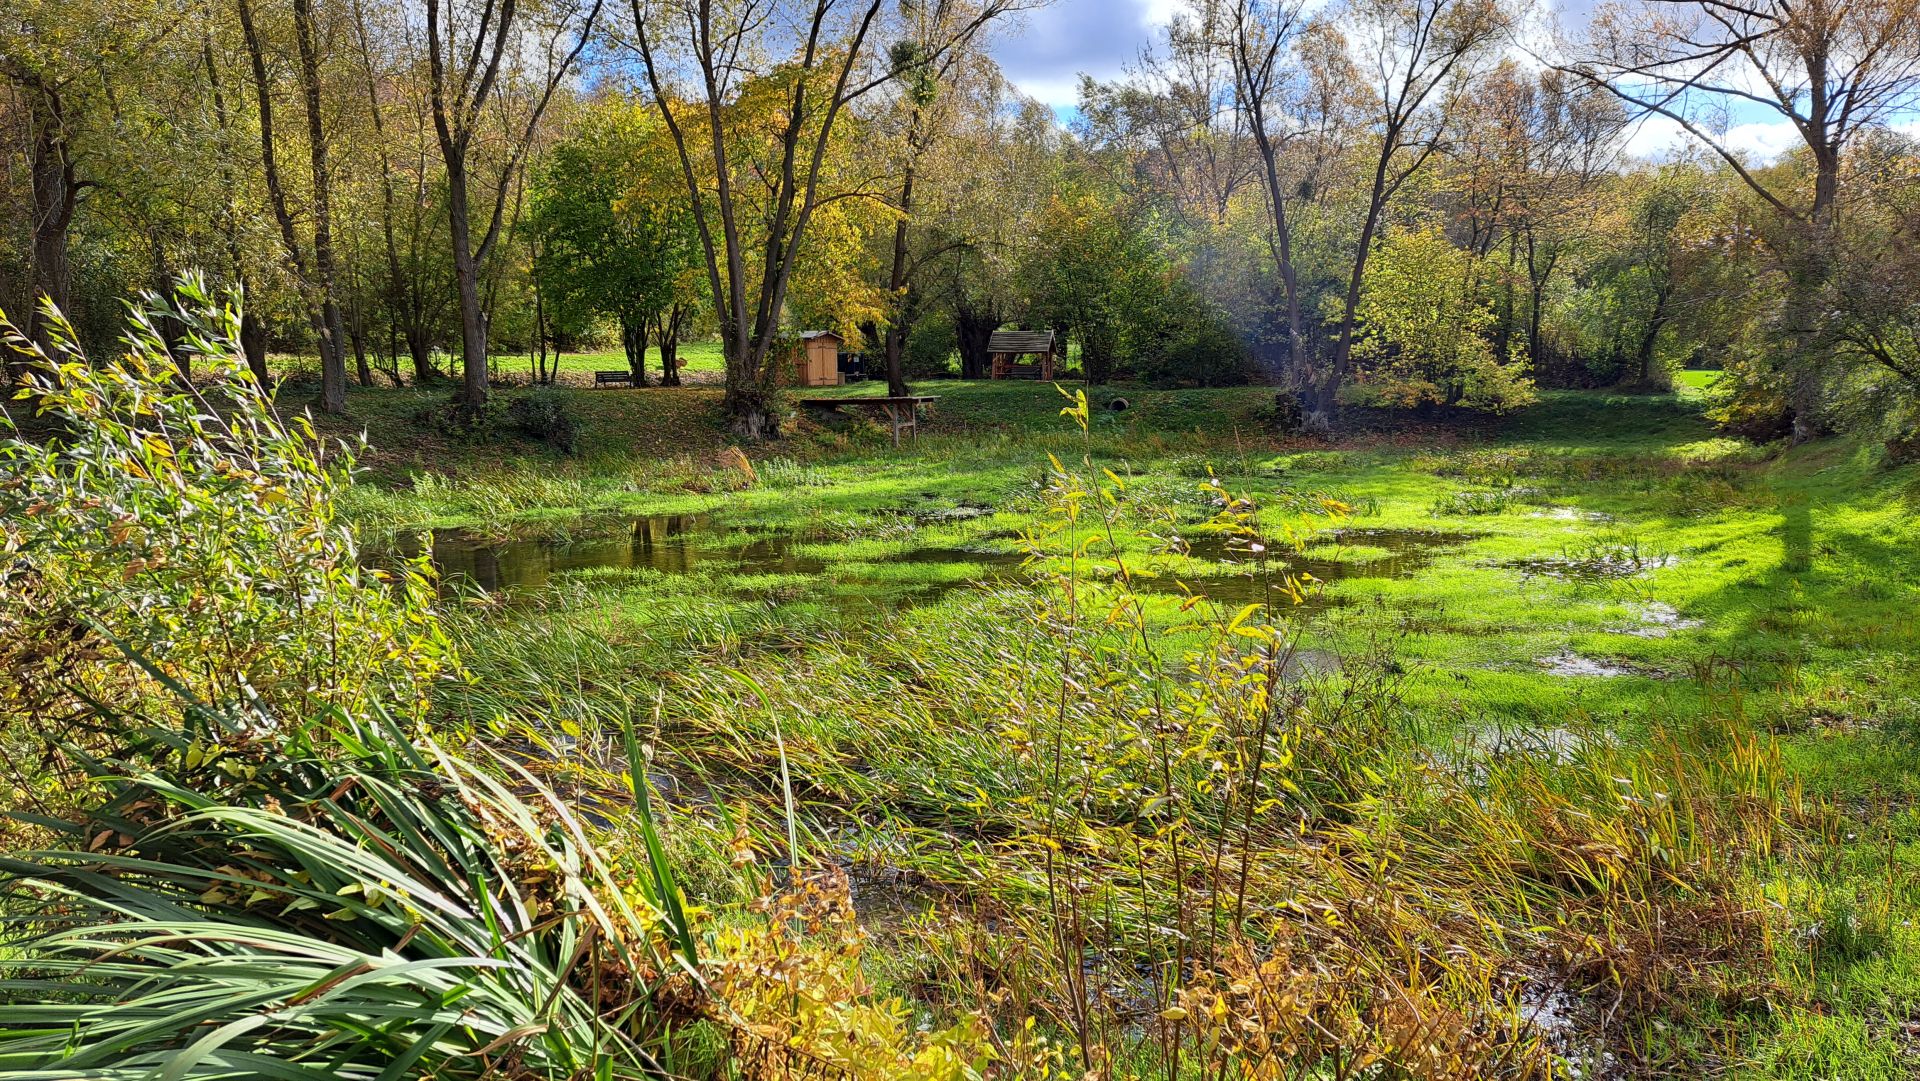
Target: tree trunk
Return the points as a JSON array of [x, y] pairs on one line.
[[277, 195], [1810, 330], [356, 333], [541, 374], [420, 352], [748, 402], [1325, 404], [458, 98], [466, 274], [1282, 250], [901, 325], [172, 331], [399, 296], [253, 342], [670, 346], [1503, 334], [55, 196], [1651, 337], [974, 330], [333, 343], [633, 339], [1536, 288], [253, 333]]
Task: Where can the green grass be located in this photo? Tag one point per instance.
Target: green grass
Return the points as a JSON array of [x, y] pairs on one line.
[[1141, 743], [1759, 588], [699, 361], [1692, 380], [696, 359]]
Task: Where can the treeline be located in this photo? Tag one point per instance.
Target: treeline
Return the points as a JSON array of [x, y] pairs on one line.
[[1388, 203]]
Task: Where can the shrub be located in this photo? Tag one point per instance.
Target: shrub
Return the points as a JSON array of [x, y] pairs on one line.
[[546, 415], [1423, 334], [190, 524], [1751, 406], [1284, 415], [1176, 336], [929, 353]]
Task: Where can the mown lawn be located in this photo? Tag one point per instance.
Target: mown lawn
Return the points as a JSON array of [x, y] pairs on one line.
[[699, 362], [1588, 577]]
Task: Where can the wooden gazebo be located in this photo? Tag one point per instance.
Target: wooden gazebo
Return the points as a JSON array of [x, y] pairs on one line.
[[1022, 354]]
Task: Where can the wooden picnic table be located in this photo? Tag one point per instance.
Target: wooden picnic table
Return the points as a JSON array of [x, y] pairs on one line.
[[902, 412]]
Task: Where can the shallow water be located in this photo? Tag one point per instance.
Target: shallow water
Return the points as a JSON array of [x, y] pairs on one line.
[[1569, 663], [698, 544], [1345, 555], [684, 545], [670, 544], [1606, 567]]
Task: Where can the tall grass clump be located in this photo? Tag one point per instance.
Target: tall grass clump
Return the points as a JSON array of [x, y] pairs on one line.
[[367, 909]]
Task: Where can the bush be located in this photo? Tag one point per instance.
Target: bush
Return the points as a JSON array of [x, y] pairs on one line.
[[1285, 415], [930, 350], [1423, 335], [454, 419], [545, 414], [1176, 336], [188, 524]]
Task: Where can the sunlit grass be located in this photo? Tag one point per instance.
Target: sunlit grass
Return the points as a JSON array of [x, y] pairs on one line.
[[1552, 824]]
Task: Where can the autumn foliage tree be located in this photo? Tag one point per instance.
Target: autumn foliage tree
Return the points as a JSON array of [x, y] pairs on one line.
[[615, 238], [1424, 336]]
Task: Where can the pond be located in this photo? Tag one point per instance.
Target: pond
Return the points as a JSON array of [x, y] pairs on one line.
[[696, 544]]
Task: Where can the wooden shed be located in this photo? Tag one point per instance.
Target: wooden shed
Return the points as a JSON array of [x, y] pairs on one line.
[[817, 361], [1022, 354]]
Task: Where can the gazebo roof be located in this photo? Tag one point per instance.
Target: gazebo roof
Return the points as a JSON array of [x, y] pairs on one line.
[[1021, 341]]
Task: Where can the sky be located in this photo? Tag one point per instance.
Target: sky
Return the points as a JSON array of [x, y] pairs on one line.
[[1045, 51]]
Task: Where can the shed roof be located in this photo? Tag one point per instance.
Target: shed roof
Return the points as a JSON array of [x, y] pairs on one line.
[[1021, 341], [809, 335]]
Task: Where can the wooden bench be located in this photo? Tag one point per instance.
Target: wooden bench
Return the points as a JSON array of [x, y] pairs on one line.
[[903, 414], [604, 378]]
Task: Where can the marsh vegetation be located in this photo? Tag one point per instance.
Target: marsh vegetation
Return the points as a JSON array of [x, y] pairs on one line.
[[1100, 742], [1453, 617]]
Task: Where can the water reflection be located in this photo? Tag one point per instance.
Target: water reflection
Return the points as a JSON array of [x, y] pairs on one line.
[[667, 543], [695, 543], [1382, 553]]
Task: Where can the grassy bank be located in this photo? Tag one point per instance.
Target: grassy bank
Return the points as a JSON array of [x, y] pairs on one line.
[[1617, 711]]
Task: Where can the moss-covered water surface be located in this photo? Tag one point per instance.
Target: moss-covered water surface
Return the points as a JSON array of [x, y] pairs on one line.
[[848, 631]]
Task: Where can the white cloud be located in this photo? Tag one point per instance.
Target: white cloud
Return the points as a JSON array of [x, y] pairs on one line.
[[1656, 138], [1045, 51], [1160, 12], [1762, 142]]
